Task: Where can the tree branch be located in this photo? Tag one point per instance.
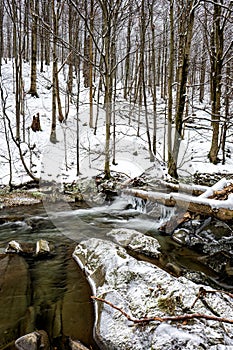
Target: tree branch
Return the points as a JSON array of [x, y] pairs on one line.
[[177, 318]]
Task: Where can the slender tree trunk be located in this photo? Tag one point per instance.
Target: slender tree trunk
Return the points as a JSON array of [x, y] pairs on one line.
[[142, 69], [186, 37], [53, 137], [1, 34], [153, 78], [33, 89], [91, 63], [227, 112], [216, 80], [127, 60], [202, 72], [170, 82]]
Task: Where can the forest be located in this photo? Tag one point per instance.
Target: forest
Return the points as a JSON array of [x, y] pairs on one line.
[[162, 67]]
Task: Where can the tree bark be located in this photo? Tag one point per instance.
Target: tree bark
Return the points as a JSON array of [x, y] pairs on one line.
[[186, 32], [215, 80], [34, 8]]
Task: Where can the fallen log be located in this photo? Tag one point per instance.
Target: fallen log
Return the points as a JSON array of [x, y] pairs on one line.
[[195, 190], [220, 209]]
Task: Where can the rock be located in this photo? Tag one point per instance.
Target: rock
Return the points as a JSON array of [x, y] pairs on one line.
[[33, 341], [141, 289], [77, 345], [42, 247], [135, 241], [13, 247]]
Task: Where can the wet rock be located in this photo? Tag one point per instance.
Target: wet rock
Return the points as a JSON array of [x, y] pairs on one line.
[[136, 241], [42, 247], [33, 341], [141, 289], [77, 345], [13, 247]]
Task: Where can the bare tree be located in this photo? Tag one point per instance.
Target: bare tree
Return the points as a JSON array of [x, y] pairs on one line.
[[34, 13], [186, 22]]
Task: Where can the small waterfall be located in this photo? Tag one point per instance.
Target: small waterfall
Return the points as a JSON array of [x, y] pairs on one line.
[[138, 204], [158, 211], [166, 212]]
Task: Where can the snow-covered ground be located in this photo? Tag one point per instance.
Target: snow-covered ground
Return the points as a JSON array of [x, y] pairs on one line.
[[58, 162]]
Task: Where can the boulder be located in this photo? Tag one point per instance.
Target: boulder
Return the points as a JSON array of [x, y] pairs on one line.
[[33, 341], [143, 290]]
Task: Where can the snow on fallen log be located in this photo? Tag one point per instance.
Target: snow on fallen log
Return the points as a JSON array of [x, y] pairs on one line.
[[194, 190], [220, 185], [220, 209]]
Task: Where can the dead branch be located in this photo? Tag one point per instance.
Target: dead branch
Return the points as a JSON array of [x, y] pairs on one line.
[[203, 292], [177, 318]]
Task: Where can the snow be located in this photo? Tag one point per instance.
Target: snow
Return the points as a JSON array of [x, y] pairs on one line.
[[186, 199], [58, 162], [216, 187], [143, 290]]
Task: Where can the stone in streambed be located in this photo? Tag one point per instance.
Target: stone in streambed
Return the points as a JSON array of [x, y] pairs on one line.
[[42, 247], [77, 345], [33, 341], [13, 247]]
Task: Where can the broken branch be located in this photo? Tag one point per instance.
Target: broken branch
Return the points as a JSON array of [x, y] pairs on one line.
[[178, 318]]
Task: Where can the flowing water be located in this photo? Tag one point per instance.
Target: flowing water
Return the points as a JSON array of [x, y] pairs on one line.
[[51, 292]]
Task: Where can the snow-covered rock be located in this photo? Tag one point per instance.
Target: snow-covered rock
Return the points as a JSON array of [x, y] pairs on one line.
[[13, 247], [135, 241], [143, 290]]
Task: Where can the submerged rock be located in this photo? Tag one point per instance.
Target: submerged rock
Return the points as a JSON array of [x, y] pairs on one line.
[[143, 290]]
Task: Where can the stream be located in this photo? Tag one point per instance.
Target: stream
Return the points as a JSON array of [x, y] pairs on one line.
[[51, 292]]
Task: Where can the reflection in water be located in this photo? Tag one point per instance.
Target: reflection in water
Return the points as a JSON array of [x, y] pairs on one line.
[[49, 293]]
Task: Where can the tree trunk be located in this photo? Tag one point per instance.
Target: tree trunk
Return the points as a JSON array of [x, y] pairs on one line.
[[91, 63], [142, 69], [153, 69], [127, 60], [170, 82], [184, 48], [1, 34], [34, 9], [202, 72], [216, 80], [53, 137]]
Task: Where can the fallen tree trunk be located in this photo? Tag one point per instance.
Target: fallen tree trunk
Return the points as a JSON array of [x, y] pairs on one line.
[[194, 190], [220, 209]]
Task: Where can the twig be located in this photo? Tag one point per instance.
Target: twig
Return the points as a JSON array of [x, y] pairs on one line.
[[202, 293], [178, 318]]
